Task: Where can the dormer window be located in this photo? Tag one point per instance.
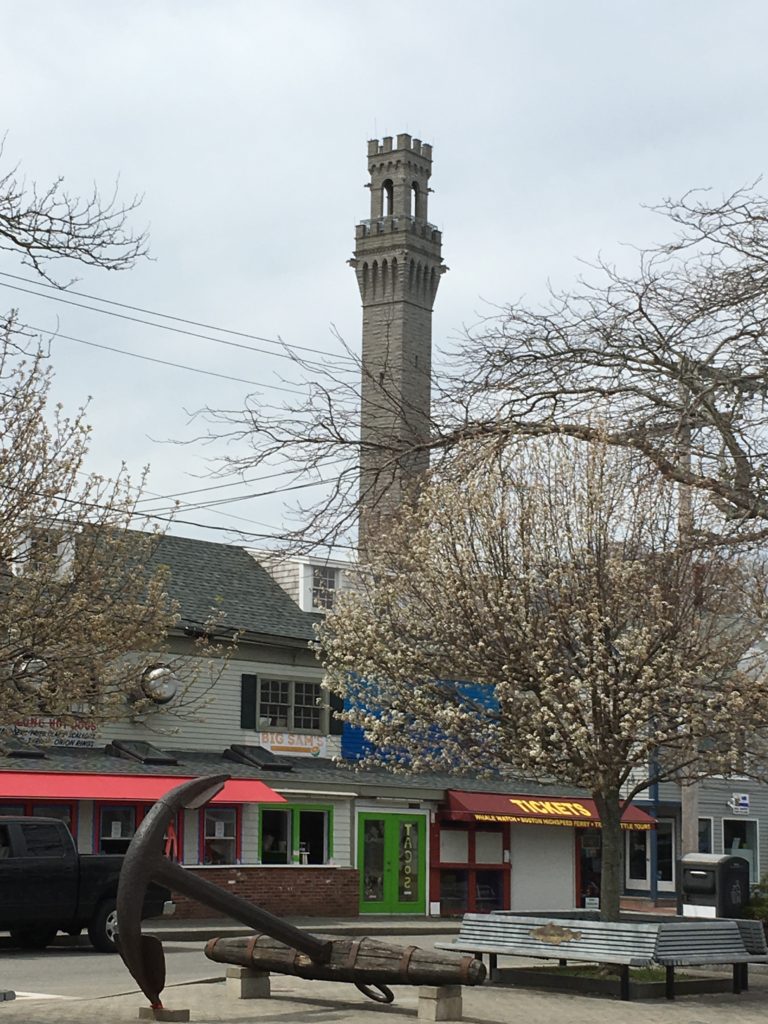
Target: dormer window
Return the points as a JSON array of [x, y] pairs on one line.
[[319, 585], [45, 550], [324, 585]]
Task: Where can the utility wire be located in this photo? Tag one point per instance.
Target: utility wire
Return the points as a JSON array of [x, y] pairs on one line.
[[166, 327], [240, 497], [232, 483], [162, 362], [135, 514]]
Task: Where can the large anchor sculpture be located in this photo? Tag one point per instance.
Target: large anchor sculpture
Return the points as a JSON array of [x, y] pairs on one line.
[[278, 946]]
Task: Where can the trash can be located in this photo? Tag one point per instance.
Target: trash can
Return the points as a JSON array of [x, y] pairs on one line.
[[712, 885]]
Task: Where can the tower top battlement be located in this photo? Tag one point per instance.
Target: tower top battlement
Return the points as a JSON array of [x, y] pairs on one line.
[[399, 177], [404, 144]]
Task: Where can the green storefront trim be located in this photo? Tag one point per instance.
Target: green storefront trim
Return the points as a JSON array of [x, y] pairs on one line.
[[293, 808], [402, 867]]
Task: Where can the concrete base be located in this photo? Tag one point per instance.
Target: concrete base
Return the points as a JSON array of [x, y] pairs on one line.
[[244, 983], [439, 1002], [149, 1013]]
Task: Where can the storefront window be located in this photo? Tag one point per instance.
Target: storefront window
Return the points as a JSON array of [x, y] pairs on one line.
[[705, 835], [454, 891], [489, 891], [665, 852], [117, 824], [590, 867], [275, 837], [313, 836], [476, 887], [740, 840], [220, 835], [116, 828], [64, 812], [292, 835]]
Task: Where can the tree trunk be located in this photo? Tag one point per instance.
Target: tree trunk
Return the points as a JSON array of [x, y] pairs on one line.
[[609, 806]]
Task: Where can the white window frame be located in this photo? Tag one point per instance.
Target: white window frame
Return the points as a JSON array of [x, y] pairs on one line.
[[306, 584], [754, 876]]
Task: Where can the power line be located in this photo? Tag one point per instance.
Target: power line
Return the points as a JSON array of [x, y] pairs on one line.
[[218, 486], [243, 497], [166, 327], [232, 483], [80, 503], [162, 362]]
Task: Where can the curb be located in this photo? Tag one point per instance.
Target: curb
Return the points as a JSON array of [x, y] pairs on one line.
[[202, 931]]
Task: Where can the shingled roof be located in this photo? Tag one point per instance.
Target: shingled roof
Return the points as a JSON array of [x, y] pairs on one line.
[[222, 578]]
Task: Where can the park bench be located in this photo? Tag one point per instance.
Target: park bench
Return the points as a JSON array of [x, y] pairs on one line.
[[667, 943], [616, 943], [707, 942]]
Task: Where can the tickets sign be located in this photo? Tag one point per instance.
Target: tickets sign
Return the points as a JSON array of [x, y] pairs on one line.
[[568, 812]]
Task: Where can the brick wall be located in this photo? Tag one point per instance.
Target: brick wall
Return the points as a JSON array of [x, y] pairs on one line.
[[291, 891]]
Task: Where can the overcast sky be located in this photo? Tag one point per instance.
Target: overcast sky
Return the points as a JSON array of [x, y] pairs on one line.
[[244, 125]]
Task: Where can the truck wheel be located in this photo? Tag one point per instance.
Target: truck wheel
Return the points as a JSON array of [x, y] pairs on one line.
[[102, 928], [33, 938]]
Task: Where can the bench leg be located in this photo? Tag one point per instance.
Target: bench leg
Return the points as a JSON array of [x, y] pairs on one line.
[[624, 982], [492, 960], [737, 978], [745, 977], [669, 990]]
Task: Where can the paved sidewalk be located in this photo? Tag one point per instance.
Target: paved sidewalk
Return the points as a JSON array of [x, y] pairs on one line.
[[171, 930], [301, 1002]]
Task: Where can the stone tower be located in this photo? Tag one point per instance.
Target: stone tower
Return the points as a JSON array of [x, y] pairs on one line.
[[398, 266]]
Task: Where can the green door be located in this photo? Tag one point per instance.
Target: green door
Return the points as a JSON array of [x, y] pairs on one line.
[[391, 860]]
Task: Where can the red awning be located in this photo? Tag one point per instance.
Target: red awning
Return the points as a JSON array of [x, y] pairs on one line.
[[568, 811], [122, 788]]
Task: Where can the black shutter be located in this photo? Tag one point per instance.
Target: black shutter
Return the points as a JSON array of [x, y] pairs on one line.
[[337, 705], [248, 686]]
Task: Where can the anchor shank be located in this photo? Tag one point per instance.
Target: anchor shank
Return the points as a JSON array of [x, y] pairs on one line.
[[175, 877]]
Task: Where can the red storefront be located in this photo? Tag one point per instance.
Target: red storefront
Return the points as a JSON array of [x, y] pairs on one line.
[[475, 834]]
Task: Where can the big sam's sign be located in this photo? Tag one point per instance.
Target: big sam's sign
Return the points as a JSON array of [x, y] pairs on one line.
[[569, 812]]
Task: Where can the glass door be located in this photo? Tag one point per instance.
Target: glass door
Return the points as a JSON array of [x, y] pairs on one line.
[[638, 857], [638, 860], [391, 861]]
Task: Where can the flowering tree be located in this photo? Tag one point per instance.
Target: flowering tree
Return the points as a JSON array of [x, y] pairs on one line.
[[537, 613], [84, 609]]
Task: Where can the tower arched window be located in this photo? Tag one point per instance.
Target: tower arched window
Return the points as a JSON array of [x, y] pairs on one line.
[[387, 198], [414, 198]]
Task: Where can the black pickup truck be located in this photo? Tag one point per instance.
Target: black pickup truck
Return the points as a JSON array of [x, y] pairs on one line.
[[46, 886]]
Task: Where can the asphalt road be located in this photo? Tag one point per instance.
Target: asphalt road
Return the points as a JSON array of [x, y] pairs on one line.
[[85, 974]]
